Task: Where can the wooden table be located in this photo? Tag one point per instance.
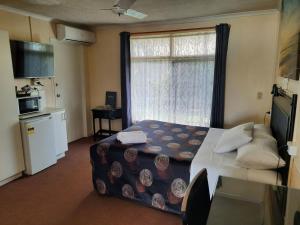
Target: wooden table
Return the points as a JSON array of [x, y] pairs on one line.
[[110, 114]]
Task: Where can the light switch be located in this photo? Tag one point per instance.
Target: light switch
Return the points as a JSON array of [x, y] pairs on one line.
[[259, 95], [285, 83]]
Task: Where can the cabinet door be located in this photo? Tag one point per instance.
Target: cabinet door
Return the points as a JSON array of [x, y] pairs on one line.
[[60, 129], [11, 153]]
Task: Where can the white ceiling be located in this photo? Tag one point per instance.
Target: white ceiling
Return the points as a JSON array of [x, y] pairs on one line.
[[88, 11]]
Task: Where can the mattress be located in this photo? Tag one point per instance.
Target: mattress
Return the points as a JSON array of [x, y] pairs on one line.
[[225, 164]]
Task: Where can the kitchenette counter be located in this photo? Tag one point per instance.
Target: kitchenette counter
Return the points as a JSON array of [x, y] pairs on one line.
[[46, 111]]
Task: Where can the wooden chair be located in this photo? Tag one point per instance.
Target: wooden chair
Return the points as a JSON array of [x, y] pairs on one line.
[[196, 202]]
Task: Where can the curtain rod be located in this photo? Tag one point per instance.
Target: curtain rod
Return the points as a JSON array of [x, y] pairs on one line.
[[172, 31]]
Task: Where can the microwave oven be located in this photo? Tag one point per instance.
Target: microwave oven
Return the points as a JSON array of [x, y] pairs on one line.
[[30, 104]]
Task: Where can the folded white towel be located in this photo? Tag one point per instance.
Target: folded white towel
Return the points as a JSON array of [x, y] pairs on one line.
[[132, 137]]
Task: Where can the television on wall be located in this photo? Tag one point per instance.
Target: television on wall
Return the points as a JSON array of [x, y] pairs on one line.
[[31, 59]]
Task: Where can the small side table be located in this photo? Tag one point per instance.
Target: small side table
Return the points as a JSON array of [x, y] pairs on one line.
[[110, 114]]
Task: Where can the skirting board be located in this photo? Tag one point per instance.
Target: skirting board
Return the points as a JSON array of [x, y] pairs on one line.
[[7, 180]]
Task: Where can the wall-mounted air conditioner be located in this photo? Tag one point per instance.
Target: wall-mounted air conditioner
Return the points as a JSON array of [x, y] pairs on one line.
[[75, 35]]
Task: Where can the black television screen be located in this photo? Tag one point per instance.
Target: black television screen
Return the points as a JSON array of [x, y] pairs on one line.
[[31, 60]]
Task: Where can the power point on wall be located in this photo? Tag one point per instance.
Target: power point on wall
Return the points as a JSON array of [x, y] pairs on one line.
[[292, 149]]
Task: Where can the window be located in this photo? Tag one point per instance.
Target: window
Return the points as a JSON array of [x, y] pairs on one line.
[[172, 77]]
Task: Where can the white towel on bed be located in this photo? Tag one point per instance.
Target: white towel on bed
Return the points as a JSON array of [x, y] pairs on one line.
[[132, 137]]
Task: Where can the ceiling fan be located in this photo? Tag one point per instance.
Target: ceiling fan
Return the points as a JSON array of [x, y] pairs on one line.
[[122, 7]]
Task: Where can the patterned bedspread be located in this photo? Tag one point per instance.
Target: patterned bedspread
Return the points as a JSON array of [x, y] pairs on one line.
[[156, 173]]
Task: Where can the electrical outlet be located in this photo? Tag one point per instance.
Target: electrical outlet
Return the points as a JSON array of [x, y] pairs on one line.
[[292, 149]]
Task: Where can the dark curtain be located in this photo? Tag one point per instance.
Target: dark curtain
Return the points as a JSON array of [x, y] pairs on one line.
[[218, 101], [125, 79]]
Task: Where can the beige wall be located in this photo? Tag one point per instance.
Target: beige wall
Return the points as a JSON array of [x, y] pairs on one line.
[[250, 66]]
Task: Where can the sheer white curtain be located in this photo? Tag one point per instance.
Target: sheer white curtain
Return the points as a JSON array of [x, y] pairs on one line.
[[172, 77]]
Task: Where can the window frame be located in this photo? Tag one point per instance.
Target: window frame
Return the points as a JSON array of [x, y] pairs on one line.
[[172, 58]]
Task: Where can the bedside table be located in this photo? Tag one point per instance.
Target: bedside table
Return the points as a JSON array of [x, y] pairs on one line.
[[110, 114]]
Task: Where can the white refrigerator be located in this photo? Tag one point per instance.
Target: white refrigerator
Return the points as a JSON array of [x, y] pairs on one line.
[[38, 143]]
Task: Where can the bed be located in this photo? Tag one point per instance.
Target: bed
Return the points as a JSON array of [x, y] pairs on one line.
[[158, 172], [282, 127], [225, 164]]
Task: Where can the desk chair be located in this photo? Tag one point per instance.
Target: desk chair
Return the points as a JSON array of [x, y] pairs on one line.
[[196, 202]]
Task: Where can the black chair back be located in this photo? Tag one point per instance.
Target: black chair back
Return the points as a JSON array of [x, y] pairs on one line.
[[196, 204], [297, 218]]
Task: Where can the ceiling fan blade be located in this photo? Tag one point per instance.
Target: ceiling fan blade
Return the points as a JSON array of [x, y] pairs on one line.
[[124, 4], [135, 14], [45, 2]]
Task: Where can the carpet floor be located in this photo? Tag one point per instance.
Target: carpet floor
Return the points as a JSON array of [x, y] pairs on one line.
[[63, 194]]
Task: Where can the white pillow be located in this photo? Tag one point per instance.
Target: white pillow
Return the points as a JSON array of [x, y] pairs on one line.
[[234, 138], [261, 153]]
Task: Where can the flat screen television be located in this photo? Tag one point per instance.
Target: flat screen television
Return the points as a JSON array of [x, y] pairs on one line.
[[31, 59]]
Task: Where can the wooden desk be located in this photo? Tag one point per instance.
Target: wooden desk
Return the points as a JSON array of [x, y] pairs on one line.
[[240, 202], [105, 113]]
